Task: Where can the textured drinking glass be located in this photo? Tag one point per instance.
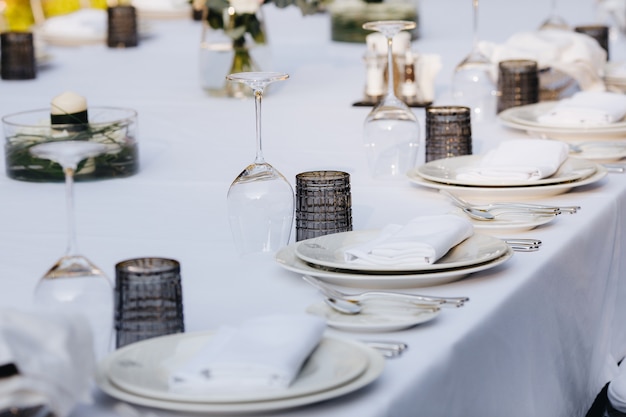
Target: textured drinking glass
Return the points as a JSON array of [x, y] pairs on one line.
[[323, 203], [122, 27], [518, 83], [148, 299], [17, 56], [448, 132]]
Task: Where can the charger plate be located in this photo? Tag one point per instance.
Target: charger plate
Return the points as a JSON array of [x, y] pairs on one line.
[[337, 367], [526, 118], [286, 258], [448, 170], [509, 193], [328, 251]]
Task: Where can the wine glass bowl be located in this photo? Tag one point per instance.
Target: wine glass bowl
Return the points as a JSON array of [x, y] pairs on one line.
[[260, 200], [554, 20], [74, 284], [391, 129], [473, 81]]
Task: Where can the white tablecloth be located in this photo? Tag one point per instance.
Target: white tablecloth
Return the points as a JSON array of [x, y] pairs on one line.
[[542, 333]]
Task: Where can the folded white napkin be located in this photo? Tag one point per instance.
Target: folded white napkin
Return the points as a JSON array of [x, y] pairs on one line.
[[574, 54], [160, 5], [587, 108], [264, 353], [422, 241], [53, 356], [83, 23], [616, 391], [518, 160]]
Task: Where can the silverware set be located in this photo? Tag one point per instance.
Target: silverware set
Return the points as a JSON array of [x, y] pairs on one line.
[[387, 348], [351, 303], [524, 245], [491, 211]]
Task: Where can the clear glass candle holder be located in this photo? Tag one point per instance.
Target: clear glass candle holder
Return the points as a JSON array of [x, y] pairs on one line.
[[116, 128]]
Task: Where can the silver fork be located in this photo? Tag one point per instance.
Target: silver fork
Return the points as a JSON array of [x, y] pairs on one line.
[[422, 300]]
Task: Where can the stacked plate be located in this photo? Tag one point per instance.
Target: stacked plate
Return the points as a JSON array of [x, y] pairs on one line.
[[615, 77], [444, 175], [323, 257], [138, 373], [526, 118]]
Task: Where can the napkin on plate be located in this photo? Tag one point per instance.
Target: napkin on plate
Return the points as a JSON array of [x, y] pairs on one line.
[[587, 108], [575, 54], [47, 359], [264, 353], [518, 160], [160, 5], [420, 242], [81, 24]]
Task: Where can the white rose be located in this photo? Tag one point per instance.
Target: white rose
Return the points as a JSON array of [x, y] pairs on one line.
[[245, 6]]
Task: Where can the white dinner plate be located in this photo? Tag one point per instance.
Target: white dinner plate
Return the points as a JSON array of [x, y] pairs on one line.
[[509, 193], [447, 171], [286, 257], [509, 223], [329, 251], [375, 316], [525, 118], [615, 73], [143, 369], [375, 367]]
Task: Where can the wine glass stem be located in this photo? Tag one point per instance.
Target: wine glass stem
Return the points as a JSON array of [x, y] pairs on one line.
[[390, 78], [475, 24], [69, 202], [258, 95]]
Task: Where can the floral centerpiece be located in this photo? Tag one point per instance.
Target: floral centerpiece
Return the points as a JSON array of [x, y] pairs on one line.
[[235, 28]]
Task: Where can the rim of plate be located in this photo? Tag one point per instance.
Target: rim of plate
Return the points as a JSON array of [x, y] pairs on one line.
[[372, 372], [324, 250], [578, 168], [287, 259]]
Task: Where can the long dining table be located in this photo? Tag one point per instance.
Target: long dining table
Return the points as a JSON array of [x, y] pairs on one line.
[[541, 334]]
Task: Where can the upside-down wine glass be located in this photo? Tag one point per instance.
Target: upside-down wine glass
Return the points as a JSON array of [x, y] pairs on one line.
[[391, 129], [554, 21], [74, 284], [260, 200], [473, 81]]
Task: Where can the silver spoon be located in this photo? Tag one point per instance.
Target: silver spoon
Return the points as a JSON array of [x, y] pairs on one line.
[[343, 306]]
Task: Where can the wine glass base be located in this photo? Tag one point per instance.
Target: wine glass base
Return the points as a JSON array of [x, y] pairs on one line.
[[71, 266]]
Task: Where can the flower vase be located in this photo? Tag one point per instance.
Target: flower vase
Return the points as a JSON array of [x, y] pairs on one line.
[[231, 42]]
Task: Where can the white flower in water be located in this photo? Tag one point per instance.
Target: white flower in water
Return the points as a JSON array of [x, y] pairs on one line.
[[245, 6]]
